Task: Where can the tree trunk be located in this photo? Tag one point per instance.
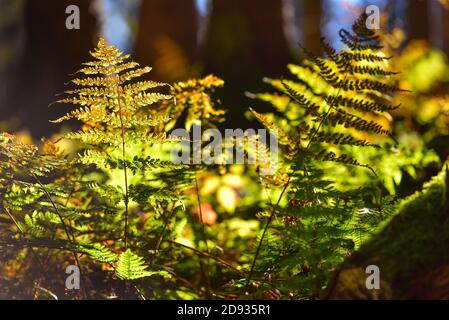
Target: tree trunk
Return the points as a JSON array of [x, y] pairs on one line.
[[445, 30], [167, 38], [246, 35], [51, 52], [418, 19], [11, 36], [244, 43], [310, 24]]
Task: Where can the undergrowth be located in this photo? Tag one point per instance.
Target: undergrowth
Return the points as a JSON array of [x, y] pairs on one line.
[[139, 226]]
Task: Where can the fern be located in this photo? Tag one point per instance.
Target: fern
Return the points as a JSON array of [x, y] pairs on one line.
[[335, 102], [22, 168], [112, 107], [193, 101], [131, 267], [332, 97], [95, 203], [98, 252], [126, 212]]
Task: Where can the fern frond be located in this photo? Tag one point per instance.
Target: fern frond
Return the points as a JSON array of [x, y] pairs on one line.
[[109, 101], [131, 267], [283, 137], [98, 252], [334, 102], [193, 98]]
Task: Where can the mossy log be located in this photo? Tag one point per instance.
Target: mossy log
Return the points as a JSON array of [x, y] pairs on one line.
[[411, 250]]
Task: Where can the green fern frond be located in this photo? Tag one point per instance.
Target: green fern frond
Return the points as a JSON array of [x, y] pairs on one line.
[[131, 267], [98, 252], [332, 104]]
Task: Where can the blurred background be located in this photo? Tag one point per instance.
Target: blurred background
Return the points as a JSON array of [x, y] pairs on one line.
[[241, 41]]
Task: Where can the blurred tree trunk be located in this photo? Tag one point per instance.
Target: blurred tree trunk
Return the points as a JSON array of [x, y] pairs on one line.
[[50, 53], [446, 30], [246, 34], [244, 43], [418, 19], [267, 30], [167, 38], [11, 36], [310, 24], [439, 24]]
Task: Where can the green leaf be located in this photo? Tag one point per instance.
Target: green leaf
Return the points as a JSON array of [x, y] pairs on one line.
[[130, 267], [99, 252]]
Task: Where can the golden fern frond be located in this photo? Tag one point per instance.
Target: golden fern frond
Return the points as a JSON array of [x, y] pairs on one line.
[[108, 99], [281, 135], [18, 159], [193, 98]]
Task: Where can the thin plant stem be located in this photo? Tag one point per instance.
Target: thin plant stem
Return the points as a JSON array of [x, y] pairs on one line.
[[70, 236], [35, 255], [162, 234], [259, 246], [203, 231]]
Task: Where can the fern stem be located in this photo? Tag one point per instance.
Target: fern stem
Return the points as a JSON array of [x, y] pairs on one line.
[[35, 255], [125, 176], [259, 246], [207, 255], [331, 106], [162, 234], [203, 232], [125, 173], [116, 79], [53, 231], [70, 236]]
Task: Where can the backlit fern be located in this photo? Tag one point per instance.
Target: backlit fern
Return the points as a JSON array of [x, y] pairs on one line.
[[140, 225], [122, 144], [119, 199], [334, 102], [194, 103], [29, 186], [130, 266], [118, 129]]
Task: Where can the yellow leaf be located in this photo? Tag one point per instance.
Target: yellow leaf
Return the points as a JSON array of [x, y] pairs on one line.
[[233, 180], [209, 185], [228, 198]]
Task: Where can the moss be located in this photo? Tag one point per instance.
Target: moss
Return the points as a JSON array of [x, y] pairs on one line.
[[417, 234], [413, 241]]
